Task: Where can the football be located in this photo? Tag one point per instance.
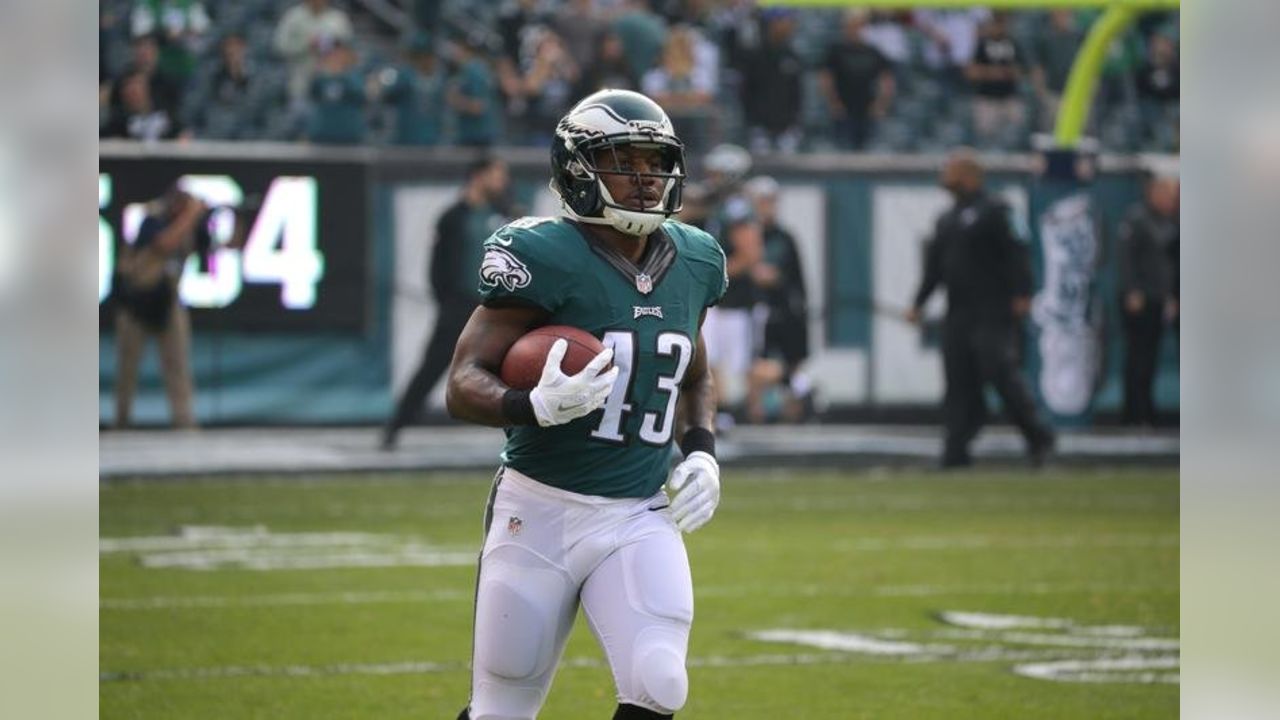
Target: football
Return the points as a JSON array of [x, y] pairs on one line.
[[522, 367]]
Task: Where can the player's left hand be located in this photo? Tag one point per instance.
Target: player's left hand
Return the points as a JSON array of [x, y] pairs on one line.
[[695, 484]]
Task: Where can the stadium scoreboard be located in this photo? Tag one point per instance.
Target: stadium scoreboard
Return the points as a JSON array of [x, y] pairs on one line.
[[304, 263]]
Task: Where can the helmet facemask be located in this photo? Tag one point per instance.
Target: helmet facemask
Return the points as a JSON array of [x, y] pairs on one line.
[[585, 153], [624, 217]]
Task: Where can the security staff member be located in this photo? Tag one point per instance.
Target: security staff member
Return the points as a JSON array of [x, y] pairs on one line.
[[455, 278], [1148, 267], [988, 278]]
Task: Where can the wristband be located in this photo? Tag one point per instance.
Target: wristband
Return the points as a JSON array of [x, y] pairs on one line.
[[698, 439], [517, 408]]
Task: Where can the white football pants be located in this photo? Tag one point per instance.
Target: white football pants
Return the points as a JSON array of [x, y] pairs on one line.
[[548, 549]]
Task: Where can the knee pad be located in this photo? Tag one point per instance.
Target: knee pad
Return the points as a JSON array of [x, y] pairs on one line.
[[661, 682], [514, 644]]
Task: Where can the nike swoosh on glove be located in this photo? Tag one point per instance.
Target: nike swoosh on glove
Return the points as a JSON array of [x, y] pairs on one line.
[[696, 486], [559, 398]]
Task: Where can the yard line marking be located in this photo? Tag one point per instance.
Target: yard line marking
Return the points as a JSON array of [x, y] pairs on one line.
[[428, 667], [972, 542], [254, 547], [714, 591], [285, 599], [1104, 669]]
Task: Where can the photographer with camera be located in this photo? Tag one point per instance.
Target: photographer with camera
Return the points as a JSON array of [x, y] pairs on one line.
[[147, 305]]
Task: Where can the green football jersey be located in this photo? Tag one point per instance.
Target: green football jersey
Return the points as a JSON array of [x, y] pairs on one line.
[[648, 313]]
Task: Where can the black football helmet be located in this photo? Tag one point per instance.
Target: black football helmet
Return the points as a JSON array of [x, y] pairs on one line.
[[606, 120]]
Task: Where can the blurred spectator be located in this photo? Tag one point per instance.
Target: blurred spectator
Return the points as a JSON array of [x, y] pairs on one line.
[[771, 86], [998, 110], [643, 35], [1158, 81], [608, 68], [1055, 52], [337, 99], [953, 39], [138, 117], [416, 89], [165, 91], [473, 98], [235, 72], [306, 32], [455, 263], [986, 271], [1148, 265], [548, 83], [180, 25], [729, 327], [785, 345], [579, 27], [885, 32], [518, 24], [145, 290], [857, 81], [683, 87]]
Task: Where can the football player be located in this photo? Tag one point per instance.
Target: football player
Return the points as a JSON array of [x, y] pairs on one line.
[[578, 514]]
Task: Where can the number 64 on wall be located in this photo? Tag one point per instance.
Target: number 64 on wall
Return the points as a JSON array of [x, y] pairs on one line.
[[280, 246]]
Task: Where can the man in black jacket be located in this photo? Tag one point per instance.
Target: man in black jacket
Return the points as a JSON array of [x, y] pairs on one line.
[[987, 273], [1148, 267], [455, 267]]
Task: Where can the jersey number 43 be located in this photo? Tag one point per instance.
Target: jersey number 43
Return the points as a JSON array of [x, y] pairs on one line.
[[655, 428]]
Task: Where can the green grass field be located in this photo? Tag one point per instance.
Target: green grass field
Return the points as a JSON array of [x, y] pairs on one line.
[[350, 597]]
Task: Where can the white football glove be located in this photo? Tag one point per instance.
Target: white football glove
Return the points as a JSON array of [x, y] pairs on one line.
[[559, 398], [695, 484]]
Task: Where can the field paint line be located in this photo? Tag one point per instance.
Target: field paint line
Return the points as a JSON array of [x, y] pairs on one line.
[[427, 667], [253, 559], [1123, 669], [254, 537], [285, 600], [978, 542], [846, 642], [989, 621], [714, 591], [1074, 641], [812, 590]]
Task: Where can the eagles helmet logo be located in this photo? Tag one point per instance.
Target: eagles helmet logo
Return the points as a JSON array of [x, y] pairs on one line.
[[500, 267]]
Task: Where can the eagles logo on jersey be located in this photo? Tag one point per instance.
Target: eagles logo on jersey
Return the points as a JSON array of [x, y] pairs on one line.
[[500, 267]]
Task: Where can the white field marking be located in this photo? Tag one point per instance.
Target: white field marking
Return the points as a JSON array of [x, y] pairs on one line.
[[427, 667], [406, 556], [1083, 653], [846, 642], [814, 590], [1072, 641], [285, 600], [988, 621], [733, 591], [1135, 669], [978, 542], [254, 547]]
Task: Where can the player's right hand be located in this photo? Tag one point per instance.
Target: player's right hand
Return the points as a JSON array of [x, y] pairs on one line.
[[559, 398]]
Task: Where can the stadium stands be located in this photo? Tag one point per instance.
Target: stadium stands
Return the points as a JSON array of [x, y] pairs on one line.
[[930, 110]]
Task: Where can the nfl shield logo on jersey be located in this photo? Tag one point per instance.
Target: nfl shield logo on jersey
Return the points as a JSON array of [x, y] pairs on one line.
[[515, 525], [644, 283]]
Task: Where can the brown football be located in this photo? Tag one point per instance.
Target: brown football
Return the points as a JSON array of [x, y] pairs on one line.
[[522, 367]]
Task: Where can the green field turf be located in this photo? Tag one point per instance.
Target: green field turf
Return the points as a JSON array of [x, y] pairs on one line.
[[188, 631]]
